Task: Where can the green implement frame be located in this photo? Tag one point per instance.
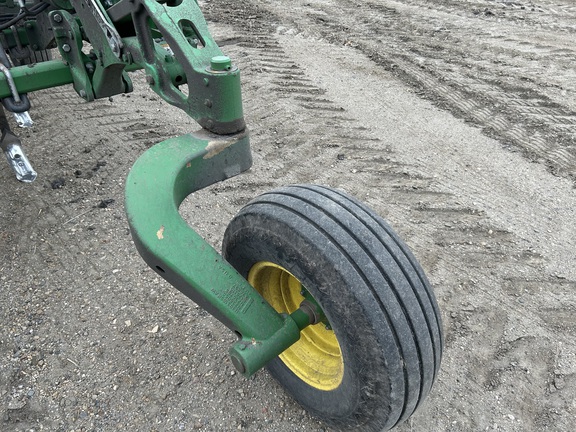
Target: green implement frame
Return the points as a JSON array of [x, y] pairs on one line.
[[171, 43], [315, 284], [158, 182]]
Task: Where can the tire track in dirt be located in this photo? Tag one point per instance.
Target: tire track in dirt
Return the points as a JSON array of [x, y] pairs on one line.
[[471, 256], [52, 227], [71, 266], [431, 55], [385, 172], [40, 238]]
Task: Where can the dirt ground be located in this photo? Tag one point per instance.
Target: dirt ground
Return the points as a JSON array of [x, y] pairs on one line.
[[454, 119]]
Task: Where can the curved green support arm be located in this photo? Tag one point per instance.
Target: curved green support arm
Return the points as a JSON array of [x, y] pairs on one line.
[[156, 186]]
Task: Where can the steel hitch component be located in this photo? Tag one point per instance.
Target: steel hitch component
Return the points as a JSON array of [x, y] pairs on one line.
[[17, 159], [14, 153], [17, 103]]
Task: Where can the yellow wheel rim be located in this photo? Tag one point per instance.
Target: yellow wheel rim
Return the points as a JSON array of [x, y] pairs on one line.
[[316, 358]]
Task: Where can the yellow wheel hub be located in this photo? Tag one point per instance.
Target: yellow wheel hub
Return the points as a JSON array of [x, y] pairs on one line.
[[316, 358]]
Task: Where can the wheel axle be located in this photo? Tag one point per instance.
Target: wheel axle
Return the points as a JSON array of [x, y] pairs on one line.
[[250, 355]]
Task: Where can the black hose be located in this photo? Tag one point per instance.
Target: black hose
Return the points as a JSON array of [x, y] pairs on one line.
[[23, 13]]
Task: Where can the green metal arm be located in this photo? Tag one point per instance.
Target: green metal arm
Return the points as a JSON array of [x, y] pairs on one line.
[[173, 46], [170, 41], [39, 76], [158, 182]]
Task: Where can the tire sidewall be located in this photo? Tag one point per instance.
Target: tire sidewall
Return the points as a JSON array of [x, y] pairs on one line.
[[363, 382]]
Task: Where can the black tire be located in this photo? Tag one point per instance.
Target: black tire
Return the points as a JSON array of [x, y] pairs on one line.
[[372, 290]]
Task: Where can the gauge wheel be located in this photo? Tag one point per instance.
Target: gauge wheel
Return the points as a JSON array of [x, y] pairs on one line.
[[373, 359]]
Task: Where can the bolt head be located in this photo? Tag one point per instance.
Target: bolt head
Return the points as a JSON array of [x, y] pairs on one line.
[[57, 18], [66, 48]]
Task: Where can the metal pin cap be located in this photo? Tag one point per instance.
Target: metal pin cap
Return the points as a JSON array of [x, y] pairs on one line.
[[220, 63]]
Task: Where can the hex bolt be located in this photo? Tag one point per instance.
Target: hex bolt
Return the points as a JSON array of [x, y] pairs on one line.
[[82, 93], [57, 18], [66, 48], [208, 103]]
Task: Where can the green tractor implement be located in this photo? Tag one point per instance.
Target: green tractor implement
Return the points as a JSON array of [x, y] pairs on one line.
[[316, 286]]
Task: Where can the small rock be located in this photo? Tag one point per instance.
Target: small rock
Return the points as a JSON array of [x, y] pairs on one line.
[[106, 203], [16, 404], [559, 382], [58, 183], [99, 165]]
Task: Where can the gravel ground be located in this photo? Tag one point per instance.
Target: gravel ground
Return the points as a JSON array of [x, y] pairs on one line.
[[455, 120]]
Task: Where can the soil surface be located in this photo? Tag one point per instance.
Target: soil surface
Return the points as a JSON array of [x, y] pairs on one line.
[[453, 119]]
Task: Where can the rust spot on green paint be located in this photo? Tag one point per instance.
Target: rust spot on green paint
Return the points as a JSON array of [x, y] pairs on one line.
[[160, 233]]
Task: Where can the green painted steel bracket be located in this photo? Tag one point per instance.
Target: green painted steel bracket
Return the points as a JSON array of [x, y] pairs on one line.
[[157, 184], [170, 171], [214, 98], [38, 76]]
